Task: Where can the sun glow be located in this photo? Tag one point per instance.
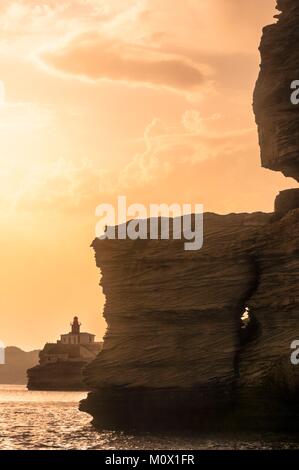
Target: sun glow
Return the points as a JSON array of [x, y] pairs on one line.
[[2, 94], [160, 117]]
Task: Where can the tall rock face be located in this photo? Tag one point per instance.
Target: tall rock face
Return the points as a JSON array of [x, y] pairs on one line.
[[268, 382], [176, 351], [276, 116], [167, 307], [173, 318]]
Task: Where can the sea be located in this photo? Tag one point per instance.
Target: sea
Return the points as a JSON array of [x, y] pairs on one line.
[[33, 420]]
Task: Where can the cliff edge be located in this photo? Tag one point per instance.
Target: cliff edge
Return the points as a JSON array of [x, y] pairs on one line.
[[178, 350]]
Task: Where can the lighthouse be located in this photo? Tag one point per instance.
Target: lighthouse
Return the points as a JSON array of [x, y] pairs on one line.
[[60, 363], [75, 326], [75, 336]]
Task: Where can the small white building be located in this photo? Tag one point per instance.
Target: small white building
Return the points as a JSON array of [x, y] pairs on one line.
[[71, 347], [75, 336]]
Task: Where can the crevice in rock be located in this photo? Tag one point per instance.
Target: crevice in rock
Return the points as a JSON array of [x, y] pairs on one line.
[[248, 326], [246, 318]]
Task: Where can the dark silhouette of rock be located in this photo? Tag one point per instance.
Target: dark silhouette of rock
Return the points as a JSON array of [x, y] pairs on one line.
[[14, 371], [276, 116], [59, 376], [173, 322], [268, 382], [178, 351], [286, 201]]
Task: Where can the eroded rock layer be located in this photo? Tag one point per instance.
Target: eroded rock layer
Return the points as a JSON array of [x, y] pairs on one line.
[[286, 201], [187, 303], [174, 351], [268, 383], [173, 322], [276, 116]]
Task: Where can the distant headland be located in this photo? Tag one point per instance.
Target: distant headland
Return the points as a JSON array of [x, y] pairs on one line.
[[17, 361]]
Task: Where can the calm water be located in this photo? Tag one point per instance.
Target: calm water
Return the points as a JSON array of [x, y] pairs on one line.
[[51, 420]]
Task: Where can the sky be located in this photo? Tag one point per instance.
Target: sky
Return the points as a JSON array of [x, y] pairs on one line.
[[150, 99]]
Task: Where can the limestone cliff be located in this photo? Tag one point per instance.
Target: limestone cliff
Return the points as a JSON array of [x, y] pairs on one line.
[[176, 351], [163, 310], [276, 116], [268, 382], [173, 322]]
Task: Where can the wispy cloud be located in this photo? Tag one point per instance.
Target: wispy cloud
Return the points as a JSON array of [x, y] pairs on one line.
[[189, 143], [66, 186], [27, 24], [96, 57]]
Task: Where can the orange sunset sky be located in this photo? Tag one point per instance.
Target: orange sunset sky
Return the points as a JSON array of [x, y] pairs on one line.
[[145, 98]]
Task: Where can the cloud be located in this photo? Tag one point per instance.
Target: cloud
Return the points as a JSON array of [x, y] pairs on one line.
[[28, 24], [96, 57], [169, 148], [158, 43], [65, 186]]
